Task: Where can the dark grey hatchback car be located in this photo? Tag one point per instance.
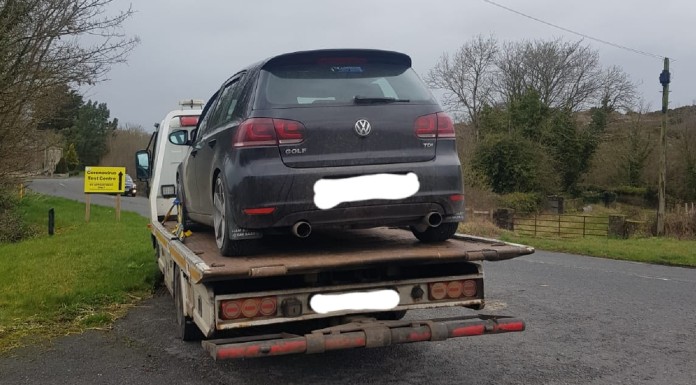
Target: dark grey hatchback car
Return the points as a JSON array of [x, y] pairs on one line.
[[322, 139]]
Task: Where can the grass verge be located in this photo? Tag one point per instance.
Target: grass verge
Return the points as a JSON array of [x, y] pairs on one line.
[[663, 251], [84, 276]]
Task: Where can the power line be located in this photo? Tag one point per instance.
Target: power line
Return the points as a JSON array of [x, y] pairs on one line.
[[575, 32]]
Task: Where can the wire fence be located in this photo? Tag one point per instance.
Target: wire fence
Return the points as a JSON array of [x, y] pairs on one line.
[[561, 226]]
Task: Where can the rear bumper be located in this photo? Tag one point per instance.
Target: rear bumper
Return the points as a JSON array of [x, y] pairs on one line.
[[363, 333], [290, 191]]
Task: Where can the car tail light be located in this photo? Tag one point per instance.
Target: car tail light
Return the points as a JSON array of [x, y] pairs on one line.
[[452, 289], [248, 308], [438, 126], [426, 126], [289, 131], [268, 132], [188, 121], [255, 132]]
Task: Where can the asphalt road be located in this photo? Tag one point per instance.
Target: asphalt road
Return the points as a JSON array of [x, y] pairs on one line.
[[589, 321]]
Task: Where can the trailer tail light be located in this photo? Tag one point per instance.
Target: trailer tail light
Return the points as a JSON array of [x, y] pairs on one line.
[[438, 290], [188, 121], [469, 289], [432, 126], [248, 308], [452, 289], [268, 132]]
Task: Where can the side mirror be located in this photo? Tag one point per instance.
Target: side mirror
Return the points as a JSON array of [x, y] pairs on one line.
[[142, 165], [179, 137]]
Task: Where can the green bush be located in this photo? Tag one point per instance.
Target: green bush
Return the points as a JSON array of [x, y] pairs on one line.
[[524, 203], [632, 191], [12, 227]]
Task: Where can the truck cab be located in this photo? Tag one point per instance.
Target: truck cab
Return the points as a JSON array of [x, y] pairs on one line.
[[161, 181]]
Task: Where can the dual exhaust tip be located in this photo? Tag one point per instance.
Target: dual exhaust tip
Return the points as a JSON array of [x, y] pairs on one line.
[[302, 229]]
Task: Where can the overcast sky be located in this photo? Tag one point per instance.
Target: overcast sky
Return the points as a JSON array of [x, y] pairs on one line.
[[188, 48]]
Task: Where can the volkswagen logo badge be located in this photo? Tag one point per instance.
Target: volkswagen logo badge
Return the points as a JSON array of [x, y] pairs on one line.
[[363, 127]]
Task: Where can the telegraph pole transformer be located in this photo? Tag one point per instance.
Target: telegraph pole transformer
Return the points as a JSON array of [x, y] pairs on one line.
[[664, 80]]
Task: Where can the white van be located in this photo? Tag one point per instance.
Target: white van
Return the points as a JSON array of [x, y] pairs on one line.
[[161, 182]]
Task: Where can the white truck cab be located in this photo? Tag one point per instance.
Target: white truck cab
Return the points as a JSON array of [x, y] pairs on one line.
[[161, 181]]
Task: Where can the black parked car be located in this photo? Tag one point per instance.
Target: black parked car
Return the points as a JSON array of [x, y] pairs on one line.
[[327, 138]]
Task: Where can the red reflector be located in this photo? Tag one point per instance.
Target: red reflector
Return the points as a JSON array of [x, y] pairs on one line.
[[231, 309], [469, 289], [438, 290], [250, 307], [255, 132], [514, 326], [259, 211], [268, 306], [457, 197], [473, 330], [188, 121]]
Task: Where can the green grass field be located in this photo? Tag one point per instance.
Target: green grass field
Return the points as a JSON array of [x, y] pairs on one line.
[[83, 276], [664, 251]]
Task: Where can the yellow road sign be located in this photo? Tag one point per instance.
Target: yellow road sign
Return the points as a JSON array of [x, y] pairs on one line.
[[105, 179]]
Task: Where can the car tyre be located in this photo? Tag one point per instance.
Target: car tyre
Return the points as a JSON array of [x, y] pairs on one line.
[[186, 328], [221, 221], [436, 234]]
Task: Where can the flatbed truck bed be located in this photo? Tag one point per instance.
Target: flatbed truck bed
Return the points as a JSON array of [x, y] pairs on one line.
[[283, 255], [219, 297]]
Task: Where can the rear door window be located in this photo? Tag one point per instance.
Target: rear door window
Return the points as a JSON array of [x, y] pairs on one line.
[[227, 105]]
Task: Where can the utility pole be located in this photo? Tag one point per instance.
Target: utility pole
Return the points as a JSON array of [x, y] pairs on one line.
[[664, 80]]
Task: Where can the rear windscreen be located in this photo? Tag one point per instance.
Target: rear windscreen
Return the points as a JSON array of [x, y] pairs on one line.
[[327, 83]]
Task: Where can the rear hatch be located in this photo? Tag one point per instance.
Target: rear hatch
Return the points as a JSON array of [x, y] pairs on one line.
[[357, 107]]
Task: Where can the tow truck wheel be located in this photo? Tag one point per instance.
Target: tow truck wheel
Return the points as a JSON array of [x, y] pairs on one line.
[[436, 234], [186, 328]]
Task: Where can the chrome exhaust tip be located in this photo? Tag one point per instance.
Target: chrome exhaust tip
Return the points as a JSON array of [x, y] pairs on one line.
[[301, 229], [433, 219]]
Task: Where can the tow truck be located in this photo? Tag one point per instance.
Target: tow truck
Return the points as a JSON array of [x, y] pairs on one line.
[[334, 290]]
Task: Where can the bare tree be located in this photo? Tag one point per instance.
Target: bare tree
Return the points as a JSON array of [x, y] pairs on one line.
[[44, 46], [618, 91], [563, 74], [466, 77]]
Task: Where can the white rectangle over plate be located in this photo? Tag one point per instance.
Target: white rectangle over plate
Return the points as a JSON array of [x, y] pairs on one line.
[[377, 300], [329, 193]]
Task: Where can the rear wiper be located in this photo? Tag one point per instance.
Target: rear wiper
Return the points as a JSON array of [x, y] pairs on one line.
[[367, 100]]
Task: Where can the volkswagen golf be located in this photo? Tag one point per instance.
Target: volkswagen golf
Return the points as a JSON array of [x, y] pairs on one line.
[[321, 139]]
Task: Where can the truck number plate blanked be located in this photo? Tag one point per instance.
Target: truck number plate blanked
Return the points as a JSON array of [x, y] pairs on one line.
[[371, 300]]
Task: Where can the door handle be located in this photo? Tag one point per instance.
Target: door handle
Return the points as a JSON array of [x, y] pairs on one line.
[[211, 143]]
